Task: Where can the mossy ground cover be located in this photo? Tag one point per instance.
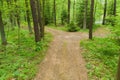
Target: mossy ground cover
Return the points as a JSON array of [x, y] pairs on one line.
[[73, 28], [101, 55], [20, 58]]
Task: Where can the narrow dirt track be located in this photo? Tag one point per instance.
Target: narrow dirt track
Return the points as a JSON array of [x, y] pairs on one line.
[[63, 60]]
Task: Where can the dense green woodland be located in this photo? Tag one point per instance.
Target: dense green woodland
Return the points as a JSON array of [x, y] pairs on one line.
[[24, 40]]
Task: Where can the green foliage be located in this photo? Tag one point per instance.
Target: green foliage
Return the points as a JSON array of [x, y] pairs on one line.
[[64, 16], [80, 13], [80, 17], [116, 33], [116, 29], [97, 26], [111, 20], [21, 61], [63, 28], [102, 56], [72, 27], [110, 7], [48, 13]]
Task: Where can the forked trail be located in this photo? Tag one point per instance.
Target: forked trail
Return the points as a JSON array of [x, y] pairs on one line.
[[63, 60]]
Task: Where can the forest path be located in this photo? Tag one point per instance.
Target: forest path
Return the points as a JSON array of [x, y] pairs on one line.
[[63, 60]]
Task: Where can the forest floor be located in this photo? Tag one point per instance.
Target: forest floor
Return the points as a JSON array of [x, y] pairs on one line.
[[64, 60]]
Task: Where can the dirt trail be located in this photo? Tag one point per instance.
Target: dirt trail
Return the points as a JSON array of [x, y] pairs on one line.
[[63, 60]]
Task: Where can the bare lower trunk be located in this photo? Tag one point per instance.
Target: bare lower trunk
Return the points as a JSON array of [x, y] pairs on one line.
[[68, 11], [118, 73], [35, 20], [85, 15], [74, 10], [3, 37], [40, 17], [105, 9], [28, 16], [54, 12], [91, 22], [43, 16], [114, 11]]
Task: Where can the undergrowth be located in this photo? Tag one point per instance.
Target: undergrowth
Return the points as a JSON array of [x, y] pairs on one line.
[[21, 62], [101, 55], [61, 27], [73, 28]]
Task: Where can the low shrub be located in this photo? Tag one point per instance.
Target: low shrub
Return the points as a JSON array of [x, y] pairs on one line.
[[72, 27], [101, 55], [21, 62]]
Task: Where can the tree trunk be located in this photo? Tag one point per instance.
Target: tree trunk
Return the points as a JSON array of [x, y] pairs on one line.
[[35, 20], [43, 16], [91, 18], [28, 16], [39, 9], [54, 12], [85, 15], [3, 36], [10, 14], [68, 11], [17, 14], [18, 20], [74, 10], [118, 73], [105, 10], [114, 11]]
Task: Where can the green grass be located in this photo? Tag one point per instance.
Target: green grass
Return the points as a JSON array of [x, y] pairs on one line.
[[65, 28], [21, 62], [101, 55]]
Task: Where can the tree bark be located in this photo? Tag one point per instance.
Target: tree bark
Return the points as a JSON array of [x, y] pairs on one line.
[[39, 9], [105, 10], [91, 17], [68, 11], [28, 16], [85, 15], [3, 36], [74, 10], [43, 16], [35, 20], [17, 14], [118, 73], [54, 12], [114, 11]]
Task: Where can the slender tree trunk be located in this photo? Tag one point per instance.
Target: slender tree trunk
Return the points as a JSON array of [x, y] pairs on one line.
[[43, 17], [17, 14], [74, 10], [35, 20], [39, 9], [95, 9], [12, 20], [25, 16], [85, 15], [114, 11], [18, 20], [54, 12], [10, 15], [2, 32], [28, 16], [69, 11], [105, 10], [91, 18], [118, 73], [43, 11]]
